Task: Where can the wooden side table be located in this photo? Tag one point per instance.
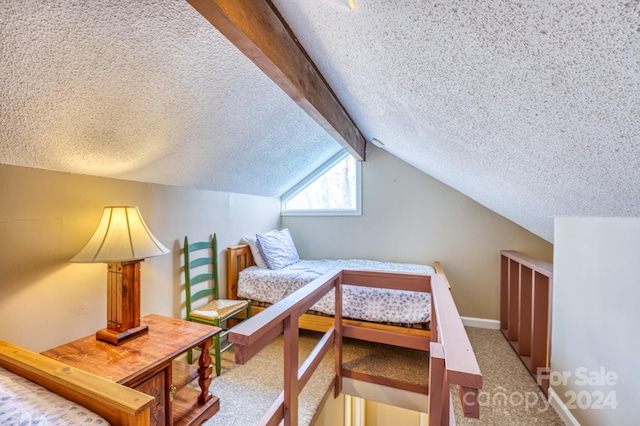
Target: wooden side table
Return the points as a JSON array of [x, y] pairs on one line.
[[147, 363]]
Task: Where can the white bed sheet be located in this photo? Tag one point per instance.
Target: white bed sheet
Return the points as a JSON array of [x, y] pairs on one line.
[[25, 403], [361, 303]]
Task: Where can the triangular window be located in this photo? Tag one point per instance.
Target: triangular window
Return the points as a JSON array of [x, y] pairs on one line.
[[333, 189]]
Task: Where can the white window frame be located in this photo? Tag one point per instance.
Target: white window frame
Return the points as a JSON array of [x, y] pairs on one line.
[[303, 184]]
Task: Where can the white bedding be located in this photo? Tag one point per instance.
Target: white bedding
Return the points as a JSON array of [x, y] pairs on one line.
[[25, 403], [361, 303]]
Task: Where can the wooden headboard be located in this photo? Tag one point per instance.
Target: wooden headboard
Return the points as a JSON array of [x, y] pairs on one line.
[[238, 258]]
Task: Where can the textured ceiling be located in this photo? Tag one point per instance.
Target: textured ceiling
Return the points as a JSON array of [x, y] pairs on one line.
[[146, 90], [531, 108]]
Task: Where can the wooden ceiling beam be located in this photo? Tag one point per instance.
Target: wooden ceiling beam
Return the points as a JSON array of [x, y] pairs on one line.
[[256, 28]]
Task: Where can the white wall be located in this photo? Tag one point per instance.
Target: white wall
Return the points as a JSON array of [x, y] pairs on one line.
[[410, 217], [595, 321], [47, 217]]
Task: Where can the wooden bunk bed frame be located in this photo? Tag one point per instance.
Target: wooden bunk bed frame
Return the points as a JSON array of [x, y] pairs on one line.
[[239, 257], [117, 404]]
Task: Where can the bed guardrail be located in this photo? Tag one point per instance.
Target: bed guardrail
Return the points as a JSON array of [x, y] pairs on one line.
[[451, 357]]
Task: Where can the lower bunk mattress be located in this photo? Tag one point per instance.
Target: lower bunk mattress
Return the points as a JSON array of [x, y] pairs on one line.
[[265, 286]]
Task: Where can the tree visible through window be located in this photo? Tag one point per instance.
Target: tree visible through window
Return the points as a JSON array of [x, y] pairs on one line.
[[336, 189]]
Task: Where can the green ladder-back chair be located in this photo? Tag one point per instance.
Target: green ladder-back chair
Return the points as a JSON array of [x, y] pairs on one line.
[[201, 266]]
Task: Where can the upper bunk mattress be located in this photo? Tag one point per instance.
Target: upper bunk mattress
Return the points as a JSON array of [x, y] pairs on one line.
[[360, 303]]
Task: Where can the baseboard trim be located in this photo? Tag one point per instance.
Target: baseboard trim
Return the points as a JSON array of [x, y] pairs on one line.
[[481, 323], [562, 410]]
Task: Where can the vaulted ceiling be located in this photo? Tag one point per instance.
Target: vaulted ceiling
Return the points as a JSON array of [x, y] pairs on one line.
[[528, 107]]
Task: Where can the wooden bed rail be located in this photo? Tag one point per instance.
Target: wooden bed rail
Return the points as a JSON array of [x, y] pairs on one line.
[[118, 404], [451, 358]]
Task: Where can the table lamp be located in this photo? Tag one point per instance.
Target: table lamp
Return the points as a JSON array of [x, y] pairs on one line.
[[122, 240]]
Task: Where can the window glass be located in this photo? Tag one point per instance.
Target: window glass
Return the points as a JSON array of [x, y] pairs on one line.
[[332, 189]]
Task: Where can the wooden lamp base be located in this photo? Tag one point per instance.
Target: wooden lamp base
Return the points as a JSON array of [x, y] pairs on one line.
[[116, 338], [123, 304]]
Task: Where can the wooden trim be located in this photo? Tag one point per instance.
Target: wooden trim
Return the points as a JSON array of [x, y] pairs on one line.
[[461, 363], [385, 381], [525, 310], [440, 270], [545, 268], [257, 30], [391, 280], [504, 293], [292, 386], [405, 340], [469, 400], [514, 296], [541, 329], [244, 353], [337, 341], [118, 404], [437, 381], [315, 357]]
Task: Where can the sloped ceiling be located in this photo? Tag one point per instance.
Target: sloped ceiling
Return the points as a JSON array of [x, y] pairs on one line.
[[529, 107], [146, 90]]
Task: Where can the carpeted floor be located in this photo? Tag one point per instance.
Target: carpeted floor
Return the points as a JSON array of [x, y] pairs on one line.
[[247, 391], [509, 396]]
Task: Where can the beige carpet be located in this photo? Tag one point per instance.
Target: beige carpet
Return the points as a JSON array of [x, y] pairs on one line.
[[246, 392], [509, 395]]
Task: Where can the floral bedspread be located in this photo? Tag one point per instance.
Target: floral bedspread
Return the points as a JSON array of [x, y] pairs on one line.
[[25, 403], [361, 303]]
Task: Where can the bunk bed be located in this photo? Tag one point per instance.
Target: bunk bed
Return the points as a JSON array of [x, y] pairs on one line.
[[75, 395]]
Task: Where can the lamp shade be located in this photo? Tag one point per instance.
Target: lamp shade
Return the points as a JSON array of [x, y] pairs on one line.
[[121, 236]]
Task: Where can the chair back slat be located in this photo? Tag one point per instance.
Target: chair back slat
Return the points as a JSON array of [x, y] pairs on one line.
[[202, 293], [202, 245], [203, 261], [200, 278]]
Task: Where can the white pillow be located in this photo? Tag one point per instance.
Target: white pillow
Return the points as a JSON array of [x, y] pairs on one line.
[[277, 248], [255, 251]]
